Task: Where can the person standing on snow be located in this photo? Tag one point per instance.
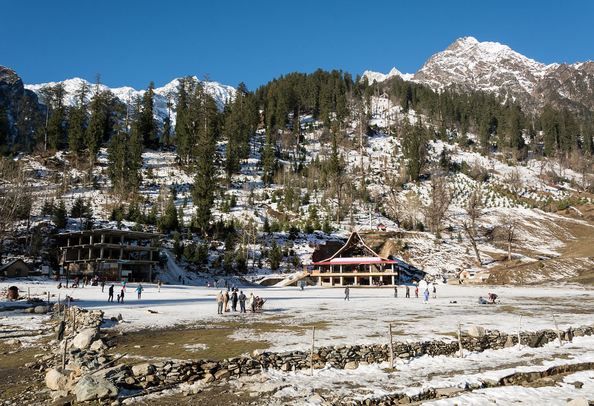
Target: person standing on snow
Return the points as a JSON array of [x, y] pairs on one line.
[[346, 293], [252, 303], [220, 302], [395, 291], [234, 300], [407, 292], [139, 289], [434, 292], [225, 301], [242, 299], [426, 293], [417, 291], [110, 292]]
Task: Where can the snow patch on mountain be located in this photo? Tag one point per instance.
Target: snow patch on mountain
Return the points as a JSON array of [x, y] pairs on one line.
[[380, 77], [221, 93]]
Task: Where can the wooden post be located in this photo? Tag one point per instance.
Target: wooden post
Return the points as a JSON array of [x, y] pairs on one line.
[[391, 350], [64, 354], [460, 341], [58, 305], [313, 338], [519, 338], [557, 328]]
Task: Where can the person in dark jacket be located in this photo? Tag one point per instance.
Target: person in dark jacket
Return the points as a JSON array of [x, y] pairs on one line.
[[110, 292], [234, 300], [242, 298]]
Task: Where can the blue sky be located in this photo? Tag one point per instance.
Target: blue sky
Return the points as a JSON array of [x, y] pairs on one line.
[[131, 43]]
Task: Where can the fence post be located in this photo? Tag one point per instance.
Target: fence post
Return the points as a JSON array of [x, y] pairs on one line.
[[519, 338], [460, 341], [557, 328], [313, 338], [391, 350]]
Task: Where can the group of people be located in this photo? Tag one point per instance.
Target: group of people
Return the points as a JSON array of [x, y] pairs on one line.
[[120, 297], [231, 295]]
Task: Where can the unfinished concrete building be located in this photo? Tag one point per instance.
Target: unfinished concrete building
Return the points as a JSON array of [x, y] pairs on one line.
[[110, 254]]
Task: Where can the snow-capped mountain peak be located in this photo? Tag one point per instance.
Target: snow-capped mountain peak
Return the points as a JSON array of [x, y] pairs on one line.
[[221, 94]]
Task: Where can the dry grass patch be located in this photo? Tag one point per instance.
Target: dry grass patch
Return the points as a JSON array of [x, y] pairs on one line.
[[196, 342]]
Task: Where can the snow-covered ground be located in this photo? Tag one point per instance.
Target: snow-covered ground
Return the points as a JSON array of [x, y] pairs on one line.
[[365, 319]]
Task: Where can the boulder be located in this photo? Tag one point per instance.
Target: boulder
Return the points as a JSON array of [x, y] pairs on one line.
[[92, 388], [143, 369], [476, 332], [41, 309], [85, 338], [57, 379], [98, 345]]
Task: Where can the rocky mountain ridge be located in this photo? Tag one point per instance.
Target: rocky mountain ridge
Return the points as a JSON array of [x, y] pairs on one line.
[[491, 67], [221, 93]]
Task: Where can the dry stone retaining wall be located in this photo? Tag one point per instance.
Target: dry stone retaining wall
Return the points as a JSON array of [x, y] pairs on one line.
[[92, 360]]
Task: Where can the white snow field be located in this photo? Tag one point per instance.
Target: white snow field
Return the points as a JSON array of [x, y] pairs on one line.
[[365, 319]]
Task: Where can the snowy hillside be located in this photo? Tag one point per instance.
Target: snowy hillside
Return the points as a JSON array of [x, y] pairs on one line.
[[539, 235]]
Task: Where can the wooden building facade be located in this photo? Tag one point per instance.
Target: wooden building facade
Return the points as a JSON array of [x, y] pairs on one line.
[[110, 254], [355, 264]]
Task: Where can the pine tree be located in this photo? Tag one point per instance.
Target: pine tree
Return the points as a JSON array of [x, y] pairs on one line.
[[146, 121], [135, 148], [168, 221], [60, 220], [56, 130], [77, 121], [550, 126], [117, 162], [268, 159]]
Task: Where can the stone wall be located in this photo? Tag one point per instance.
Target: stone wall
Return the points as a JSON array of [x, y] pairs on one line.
[[83, 353]]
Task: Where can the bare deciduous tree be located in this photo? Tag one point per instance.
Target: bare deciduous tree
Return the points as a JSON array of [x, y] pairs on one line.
[[15, 197], [514, 181], [474, 210], [440, 198], [506, 230]]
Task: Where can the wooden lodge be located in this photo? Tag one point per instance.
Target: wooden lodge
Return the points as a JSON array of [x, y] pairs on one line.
[[355, 264], [110, 254]]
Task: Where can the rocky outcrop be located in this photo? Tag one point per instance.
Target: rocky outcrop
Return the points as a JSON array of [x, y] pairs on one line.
[[18, 102]]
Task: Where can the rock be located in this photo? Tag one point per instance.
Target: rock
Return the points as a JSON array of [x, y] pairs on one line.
[[222, 374], [98, 345], [85, 338], [509, 342], [447, 392], [29, 310], [92, 387], [143, 369], [351, 365], [57, 379], [208, 378], [476, 331], [41, 309]]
